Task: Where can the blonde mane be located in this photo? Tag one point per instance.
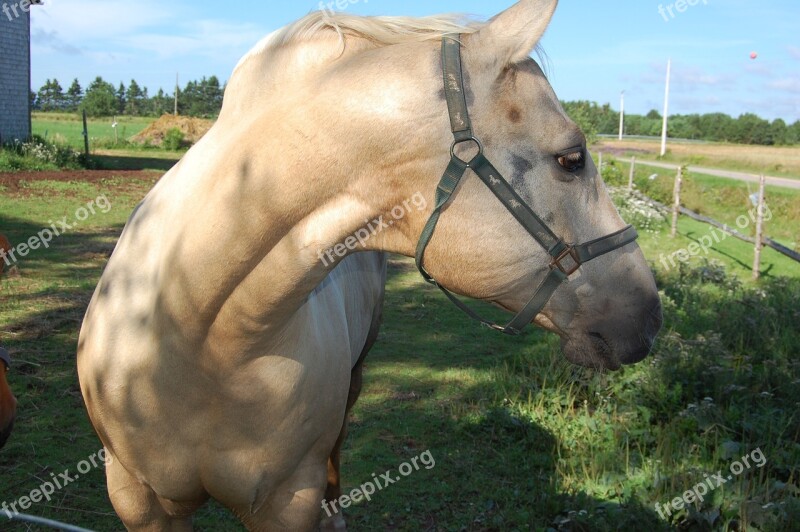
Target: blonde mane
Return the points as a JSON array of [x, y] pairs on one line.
[[384, 31]]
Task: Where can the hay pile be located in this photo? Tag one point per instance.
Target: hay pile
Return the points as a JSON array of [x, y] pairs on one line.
[[193, 129]]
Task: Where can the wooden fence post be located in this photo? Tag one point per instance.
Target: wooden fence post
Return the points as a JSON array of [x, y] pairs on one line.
[[600, 165], [633, 170], [759, 229], [85, 135], [676, 205]]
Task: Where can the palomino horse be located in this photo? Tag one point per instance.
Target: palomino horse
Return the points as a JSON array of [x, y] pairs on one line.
[[8, 403], [227, 371]]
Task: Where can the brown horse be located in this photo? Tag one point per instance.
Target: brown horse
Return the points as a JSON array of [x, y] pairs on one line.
[[8, 403], [5, 247]]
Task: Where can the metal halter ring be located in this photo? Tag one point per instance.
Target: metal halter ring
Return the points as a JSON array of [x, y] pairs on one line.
[[457, 142], [568, 252]]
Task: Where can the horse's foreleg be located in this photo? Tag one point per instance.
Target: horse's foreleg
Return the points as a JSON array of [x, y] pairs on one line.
[[140, 508], [332, 519]]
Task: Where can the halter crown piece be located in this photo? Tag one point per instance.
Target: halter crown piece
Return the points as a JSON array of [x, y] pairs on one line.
[[566, 258]]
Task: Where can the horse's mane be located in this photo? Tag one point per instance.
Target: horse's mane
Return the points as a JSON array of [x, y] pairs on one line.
[[383, 31]]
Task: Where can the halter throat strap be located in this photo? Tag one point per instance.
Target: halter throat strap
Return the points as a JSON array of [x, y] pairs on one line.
[[566, 259]]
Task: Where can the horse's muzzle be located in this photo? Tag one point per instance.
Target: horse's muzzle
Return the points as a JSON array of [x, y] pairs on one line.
[[612, 344]]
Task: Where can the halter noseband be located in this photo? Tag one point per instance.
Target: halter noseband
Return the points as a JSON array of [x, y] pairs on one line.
[[566, 258]]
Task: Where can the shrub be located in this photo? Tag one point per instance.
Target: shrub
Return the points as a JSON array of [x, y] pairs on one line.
[[38, 154], [635, 210], [174, 139]]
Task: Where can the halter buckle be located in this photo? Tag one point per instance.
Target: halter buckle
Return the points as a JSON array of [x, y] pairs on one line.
[[570, 252]]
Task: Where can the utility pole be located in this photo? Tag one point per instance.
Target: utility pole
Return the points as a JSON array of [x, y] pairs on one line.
[[621, 114], [177, 89], [666, 111]]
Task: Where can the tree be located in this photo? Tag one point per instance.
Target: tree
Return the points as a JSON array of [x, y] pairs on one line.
[[779, 132], [584, 115], [121, 98], [793, 133], [161, 103], [201, 98], [751, 129], [100, 98], [51, 96], [74, 96], [717, 126], [136, 99]]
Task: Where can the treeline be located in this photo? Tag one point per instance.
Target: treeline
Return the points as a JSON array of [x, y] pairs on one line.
[[201, 98], [749, 128]]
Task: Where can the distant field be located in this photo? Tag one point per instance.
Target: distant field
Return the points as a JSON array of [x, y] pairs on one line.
[[69, 128], [777, 161]]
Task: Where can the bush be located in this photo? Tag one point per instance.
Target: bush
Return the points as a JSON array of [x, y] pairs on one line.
[[38, 154], [635, 210], [174, 139]]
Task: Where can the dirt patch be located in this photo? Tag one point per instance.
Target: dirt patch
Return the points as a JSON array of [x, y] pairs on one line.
[[11, 181], [193, 129]]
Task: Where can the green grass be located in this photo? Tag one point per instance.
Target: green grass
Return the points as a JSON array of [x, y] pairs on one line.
[[133, 159], [68, 128], [719, 198], [521, 439]]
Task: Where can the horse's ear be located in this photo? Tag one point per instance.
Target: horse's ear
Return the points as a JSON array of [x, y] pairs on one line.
[[512, 35]]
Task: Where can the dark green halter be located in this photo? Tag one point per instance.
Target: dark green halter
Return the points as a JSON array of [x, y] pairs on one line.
[[566, 258]]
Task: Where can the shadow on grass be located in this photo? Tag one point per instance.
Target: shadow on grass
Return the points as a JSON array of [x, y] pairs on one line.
[[494, 471], [129, 162], [43, 305]]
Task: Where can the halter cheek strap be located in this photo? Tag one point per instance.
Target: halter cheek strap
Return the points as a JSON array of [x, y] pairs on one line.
[[566, 259], [5, 358]]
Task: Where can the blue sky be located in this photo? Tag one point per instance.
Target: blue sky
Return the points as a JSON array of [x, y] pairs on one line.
[[595, 49]]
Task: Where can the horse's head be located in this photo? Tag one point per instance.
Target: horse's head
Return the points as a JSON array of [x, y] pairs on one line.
[[8, 404], [608, 312], [376, 115]]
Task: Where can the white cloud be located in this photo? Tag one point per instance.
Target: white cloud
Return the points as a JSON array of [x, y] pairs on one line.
[[203, 37], [786, 84], [89, 20], [687, 78]]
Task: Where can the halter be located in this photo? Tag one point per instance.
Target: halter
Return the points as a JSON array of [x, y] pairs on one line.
[[566, 258], [5, 357]]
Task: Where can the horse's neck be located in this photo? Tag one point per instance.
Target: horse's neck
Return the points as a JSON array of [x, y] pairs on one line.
[[241, 252], [269, 188]]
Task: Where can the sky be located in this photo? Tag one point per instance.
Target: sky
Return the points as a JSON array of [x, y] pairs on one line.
[[595, 49]]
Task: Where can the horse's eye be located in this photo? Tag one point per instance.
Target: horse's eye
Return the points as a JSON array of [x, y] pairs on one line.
[[572, 161]]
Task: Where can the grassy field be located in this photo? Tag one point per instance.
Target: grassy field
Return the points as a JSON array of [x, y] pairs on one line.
[[721, 199], [68, 128], [521, 440], [776, 161]]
